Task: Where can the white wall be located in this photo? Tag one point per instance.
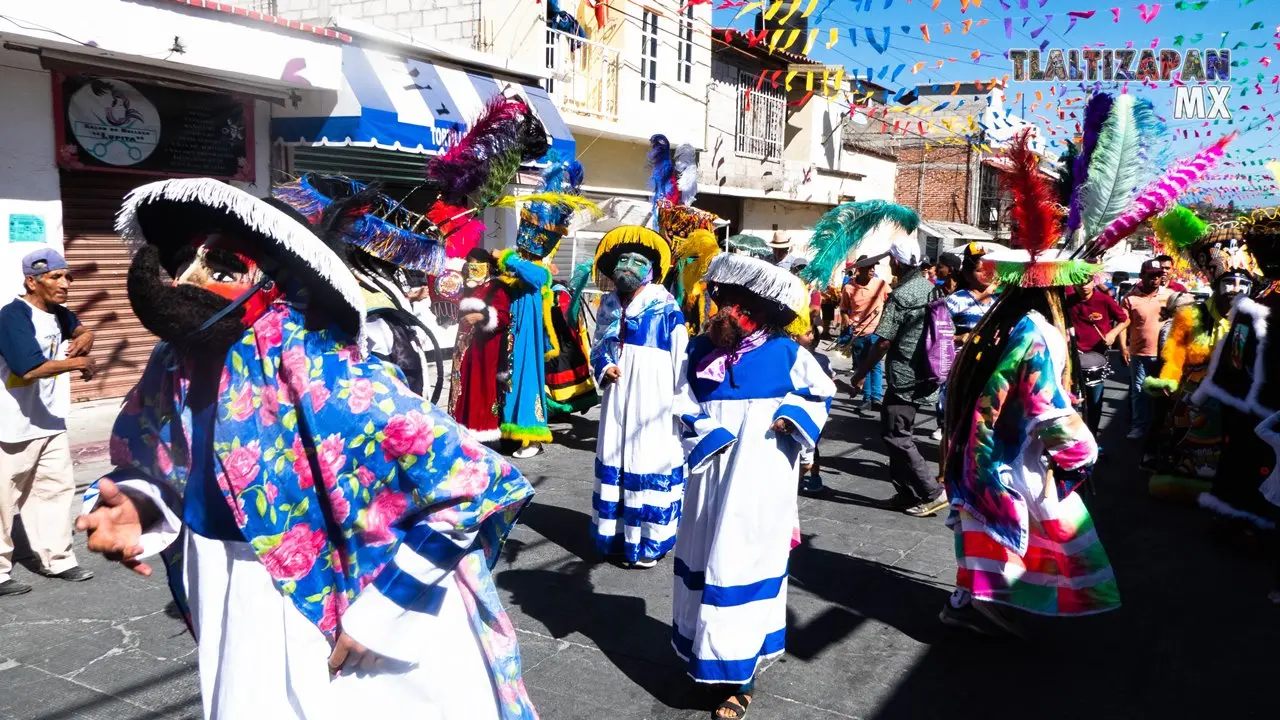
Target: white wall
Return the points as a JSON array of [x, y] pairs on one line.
[[28, 176]]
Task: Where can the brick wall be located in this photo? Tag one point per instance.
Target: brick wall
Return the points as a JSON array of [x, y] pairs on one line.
[[945, 193], [453, 21]]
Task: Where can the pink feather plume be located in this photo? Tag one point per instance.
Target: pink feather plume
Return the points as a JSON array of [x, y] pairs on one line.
[[1160, 195]]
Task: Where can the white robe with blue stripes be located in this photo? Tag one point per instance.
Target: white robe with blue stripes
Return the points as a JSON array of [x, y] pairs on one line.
[[730, 600], [639, 458]]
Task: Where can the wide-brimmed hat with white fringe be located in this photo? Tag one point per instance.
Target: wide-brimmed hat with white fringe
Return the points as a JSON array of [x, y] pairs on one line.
[[767, 281], [168, 213]]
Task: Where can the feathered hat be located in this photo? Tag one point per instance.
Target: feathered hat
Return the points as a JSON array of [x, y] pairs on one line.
[[673, 181], [839, 233], [1214, 250], [784, 292], [633, 239], [166, 213], [1260, 230], [1119, 148], [369, 220], [545, 216]]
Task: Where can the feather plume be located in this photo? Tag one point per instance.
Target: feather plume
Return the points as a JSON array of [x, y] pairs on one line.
[[684, 159], [1113, 169], [533, 138], [461, 230], [463, 168], [1033, 197], [1095, 115], [1153, 148], [1159, 195], [1179, 228], [578, 282], [502, 170], [564, 201], [662, 180], [838, 233], [1066, 173]]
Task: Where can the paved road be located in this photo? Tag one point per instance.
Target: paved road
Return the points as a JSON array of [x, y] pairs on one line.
[[1196, 637]]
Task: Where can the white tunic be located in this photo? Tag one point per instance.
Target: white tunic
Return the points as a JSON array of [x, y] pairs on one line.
[[639, 465], [261, 658], [730, 607]]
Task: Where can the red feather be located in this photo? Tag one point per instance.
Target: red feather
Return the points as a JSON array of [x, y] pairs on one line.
[[1034, 207]]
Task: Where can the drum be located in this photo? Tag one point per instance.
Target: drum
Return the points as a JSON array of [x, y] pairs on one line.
[[1094, 368]]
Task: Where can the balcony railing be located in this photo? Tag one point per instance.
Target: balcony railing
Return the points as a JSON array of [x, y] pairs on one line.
[[263, 6], [584, 75]]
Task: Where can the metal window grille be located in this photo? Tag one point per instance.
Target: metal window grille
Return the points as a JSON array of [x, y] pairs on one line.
[[262, 6], [684, 69], [649, 57], [761, 117]]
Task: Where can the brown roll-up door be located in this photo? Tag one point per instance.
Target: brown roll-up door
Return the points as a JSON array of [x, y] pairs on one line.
[[99, 262]]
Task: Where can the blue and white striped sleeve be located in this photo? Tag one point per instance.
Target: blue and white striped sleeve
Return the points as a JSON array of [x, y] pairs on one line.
[[408, 586], [806, 407]]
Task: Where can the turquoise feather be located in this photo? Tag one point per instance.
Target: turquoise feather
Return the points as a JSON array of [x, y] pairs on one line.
[[1153, 146], [1114, 169], [838, 233], [578, 284]]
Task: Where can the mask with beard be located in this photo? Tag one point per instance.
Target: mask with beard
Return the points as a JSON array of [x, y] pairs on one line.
[[211, 276], [631, 273]]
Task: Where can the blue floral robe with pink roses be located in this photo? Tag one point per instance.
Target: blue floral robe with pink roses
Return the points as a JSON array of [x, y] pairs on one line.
[[329, 463]]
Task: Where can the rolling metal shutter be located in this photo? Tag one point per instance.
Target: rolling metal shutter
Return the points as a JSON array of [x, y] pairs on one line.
[[99, 262]]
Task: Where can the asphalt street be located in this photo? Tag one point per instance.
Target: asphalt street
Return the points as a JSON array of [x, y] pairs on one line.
[[1196, 636]]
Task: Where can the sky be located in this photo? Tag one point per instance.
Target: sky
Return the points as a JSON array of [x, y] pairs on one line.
[[1240, 178]]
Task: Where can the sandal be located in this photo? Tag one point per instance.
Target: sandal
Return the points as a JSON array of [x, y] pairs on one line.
[[737, 705]]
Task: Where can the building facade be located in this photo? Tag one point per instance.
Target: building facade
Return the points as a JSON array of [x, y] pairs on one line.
[[102, 96]]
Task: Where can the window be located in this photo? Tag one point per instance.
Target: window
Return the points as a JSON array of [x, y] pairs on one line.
[[761, 117], [649, 56], [684, 51]]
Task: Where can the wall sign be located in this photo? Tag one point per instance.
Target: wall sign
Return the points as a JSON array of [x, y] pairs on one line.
[[26, 228], [116, 125]]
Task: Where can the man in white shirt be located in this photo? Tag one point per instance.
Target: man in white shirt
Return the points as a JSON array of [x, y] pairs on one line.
[[40, 342]]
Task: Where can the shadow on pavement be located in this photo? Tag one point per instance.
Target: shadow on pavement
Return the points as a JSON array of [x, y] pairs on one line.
[[1195, 637], [563, 598]]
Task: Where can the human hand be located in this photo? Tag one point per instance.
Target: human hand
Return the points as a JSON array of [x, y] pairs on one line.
[[351, 655], [857, 382], [80, 345], [1124, 356], [611, 374], [473, 318], [88, 368], [783, 426], [115, 527]]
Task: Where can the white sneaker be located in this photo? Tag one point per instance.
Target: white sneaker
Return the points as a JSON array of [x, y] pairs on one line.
[[937, 434], [644, 564], [527, 451]]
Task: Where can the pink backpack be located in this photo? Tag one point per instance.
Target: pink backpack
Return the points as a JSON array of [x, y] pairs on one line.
[[939, 340]]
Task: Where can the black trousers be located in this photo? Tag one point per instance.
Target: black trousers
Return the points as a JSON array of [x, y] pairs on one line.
[[908, 471]]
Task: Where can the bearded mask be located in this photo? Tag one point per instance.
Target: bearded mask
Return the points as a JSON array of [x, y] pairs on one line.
[[475, 274], [212, 273], [632, 272]]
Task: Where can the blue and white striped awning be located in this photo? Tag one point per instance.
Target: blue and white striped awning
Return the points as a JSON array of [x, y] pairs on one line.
[[394, 103]]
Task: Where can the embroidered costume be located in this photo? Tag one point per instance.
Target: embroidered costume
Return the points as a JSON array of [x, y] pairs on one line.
[[740, 510], [301, 491], [1241, 376], [482, 372], [1190, 439], [639, 465]]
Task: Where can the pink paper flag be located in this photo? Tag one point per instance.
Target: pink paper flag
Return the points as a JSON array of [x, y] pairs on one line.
[[1115, 15]]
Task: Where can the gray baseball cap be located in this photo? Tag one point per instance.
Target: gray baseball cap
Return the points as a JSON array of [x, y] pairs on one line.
[[42, 261]]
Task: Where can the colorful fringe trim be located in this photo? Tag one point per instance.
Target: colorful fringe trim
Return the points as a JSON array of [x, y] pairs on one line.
[[576, 404], [1046, 273], [525, 434]]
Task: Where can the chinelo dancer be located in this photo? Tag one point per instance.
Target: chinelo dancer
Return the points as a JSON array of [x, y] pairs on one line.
[[1188, 442], [1015, 448], [329, 534], [761, 400], [639, 355]]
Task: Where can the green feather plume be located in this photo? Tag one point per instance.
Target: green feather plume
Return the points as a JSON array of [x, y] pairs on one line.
[[1179, 228], [838, 233], [502, 170], [578, 284], [1113, 169]]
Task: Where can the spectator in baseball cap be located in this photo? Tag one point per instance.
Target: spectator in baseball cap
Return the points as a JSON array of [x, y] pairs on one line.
[[40, 342]]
